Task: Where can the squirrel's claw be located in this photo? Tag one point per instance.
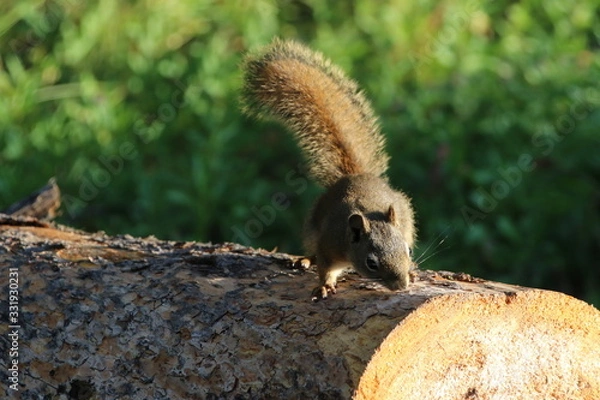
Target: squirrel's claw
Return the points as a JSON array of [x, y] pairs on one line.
[[322, 292], [302, 263]]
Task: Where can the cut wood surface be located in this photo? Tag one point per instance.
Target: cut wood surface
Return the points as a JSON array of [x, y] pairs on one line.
[[139, 318]]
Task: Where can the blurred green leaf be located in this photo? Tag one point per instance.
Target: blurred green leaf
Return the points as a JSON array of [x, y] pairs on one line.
[[134, 107]]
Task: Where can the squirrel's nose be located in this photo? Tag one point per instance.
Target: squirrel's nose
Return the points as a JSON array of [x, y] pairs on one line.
[[398, 283]]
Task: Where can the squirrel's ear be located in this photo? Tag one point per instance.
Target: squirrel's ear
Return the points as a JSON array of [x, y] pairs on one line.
[[391, 215], [358, 226]]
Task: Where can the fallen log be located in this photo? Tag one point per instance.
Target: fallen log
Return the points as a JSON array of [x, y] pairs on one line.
[[42, 204], [141, 318]]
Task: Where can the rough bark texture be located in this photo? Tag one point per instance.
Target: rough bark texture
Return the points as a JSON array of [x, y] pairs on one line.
[[42, 204], [122, 317]]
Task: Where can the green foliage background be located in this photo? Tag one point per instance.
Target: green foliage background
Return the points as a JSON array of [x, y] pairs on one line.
[[491, 109]]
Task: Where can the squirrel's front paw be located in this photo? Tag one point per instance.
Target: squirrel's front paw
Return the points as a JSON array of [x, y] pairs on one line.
[[302, 263], [321, 292]]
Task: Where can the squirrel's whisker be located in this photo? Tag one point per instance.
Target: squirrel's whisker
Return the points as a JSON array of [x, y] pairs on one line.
[[436, 250]]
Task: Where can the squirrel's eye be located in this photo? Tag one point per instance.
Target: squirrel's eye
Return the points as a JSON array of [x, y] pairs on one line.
[[372, 262]]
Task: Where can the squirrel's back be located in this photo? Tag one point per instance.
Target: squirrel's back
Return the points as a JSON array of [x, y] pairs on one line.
[[329, 116]]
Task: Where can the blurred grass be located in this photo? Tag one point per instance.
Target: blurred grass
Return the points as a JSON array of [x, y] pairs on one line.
[[133, 106]]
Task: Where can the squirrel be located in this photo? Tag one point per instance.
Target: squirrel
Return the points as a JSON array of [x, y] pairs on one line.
[[360, 221]]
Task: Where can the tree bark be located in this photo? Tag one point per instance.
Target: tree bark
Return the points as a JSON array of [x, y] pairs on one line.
[[42, 204], [123, 317]]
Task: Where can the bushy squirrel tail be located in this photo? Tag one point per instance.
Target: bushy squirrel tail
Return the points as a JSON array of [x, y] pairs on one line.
[[330, 117]]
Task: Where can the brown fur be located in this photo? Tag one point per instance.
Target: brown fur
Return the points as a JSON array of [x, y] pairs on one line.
[[359, 222], [330, 117]]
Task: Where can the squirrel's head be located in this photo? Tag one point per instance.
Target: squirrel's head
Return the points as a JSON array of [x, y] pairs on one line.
[[379, 249]]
